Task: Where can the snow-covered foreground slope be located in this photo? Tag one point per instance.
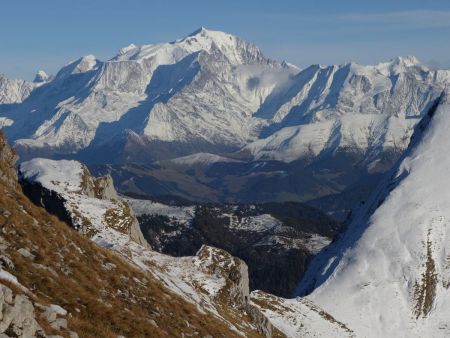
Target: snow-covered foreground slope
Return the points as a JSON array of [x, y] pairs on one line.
[[299, 318], [389, 274]]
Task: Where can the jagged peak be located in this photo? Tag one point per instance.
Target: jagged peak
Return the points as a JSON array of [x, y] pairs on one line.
[[401, 64], [86, 63], [204, 32], [78, 66], [408, 60], [127, 49], [198, 31], [41, 76], [289, 65]]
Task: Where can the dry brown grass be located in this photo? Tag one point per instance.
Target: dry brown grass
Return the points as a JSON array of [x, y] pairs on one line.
[[425, 289], [71, 271]]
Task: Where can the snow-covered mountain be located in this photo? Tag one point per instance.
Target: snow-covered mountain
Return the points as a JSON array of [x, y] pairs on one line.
[[199, 91], [389, 273], [366, 111], [213, 92], [14, 91]]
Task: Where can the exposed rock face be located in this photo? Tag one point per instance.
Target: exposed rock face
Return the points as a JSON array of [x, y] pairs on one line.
[[235, 272], [97, 187], [17, 316], [235, 293], [48, 199]]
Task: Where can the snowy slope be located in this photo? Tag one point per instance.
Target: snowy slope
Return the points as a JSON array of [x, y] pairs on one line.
[[367, 111], [366, 134], [182, 214], [14, 91], [299, 318], [202, 159], [389, 274]]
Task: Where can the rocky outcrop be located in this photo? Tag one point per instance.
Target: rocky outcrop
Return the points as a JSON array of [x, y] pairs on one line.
[[234, 271], [8, 159], [261, 322], [103, 188], [17, 316], [98, 187], [235, 293]]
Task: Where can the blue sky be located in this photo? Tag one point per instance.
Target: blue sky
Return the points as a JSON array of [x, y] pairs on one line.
[[45, 34]]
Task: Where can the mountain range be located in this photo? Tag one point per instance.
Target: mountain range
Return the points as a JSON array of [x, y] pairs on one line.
[[212, 99]]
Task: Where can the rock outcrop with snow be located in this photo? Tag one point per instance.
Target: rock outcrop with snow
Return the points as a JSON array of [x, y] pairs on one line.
[[91, 204], [212, 278]]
